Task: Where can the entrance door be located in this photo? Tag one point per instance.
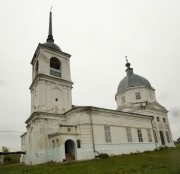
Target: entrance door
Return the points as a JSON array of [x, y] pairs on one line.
[[70, 150], [162, 137]]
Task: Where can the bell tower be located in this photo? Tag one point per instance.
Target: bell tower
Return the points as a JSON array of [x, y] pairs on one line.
[[51, 79]]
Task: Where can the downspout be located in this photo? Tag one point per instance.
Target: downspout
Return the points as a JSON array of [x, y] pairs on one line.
[[92, 131]]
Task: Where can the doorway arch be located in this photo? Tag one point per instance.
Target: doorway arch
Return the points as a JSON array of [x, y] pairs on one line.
[[162, 138], [69, 150]]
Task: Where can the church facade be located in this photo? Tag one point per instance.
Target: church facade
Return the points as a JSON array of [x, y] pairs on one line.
[[59, 131]]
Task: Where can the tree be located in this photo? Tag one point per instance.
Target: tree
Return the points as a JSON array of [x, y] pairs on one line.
[[6, 157], [5, 149]]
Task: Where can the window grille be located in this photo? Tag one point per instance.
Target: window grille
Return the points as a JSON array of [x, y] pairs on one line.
[[138, 95], [129, 135], [107, 134], [149, 135], [140, 135]]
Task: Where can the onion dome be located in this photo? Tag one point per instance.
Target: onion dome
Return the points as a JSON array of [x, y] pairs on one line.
[[132, 80]]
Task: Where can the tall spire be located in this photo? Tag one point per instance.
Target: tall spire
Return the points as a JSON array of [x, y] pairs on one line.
[[50, 41], [50, 35]]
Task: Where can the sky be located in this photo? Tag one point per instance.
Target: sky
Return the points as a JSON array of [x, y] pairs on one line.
[[98, 34]]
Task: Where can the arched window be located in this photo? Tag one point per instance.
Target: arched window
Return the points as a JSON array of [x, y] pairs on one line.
[[55, 67], [57, 142]]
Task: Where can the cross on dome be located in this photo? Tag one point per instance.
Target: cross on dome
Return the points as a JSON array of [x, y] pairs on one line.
[[127, 63]]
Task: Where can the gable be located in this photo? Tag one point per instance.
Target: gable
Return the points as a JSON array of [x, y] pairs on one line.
[[157, 106]]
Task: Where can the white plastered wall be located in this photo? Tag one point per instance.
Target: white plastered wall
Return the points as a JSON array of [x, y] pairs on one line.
[[50, 93]]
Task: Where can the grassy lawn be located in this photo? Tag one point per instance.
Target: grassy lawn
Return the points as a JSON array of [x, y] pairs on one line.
[[158, 162]]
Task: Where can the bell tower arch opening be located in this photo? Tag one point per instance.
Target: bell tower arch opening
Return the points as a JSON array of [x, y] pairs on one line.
[[55, 67], [69, 150]]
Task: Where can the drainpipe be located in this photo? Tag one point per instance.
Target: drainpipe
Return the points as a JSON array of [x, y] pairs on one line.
[[92, 131]]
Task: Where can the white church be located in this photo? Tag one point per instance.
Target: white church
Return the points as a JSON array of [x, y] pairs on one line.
[[59, 131]]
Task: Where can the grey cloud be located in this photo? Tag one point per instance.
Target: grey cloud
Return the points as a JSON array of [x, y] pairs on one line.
[[175, 112]]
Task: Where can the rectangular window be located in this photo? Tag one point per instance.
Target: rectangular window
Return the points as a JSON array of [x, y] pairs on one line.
[[164, 120], [157, 118], [123, 99], [138, 95], [129, 135], [107, 134], [139, 135], [149, 135]]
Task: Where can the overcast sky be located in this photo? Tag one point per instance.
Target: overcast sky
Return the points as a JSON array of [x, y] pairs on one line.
[[98, 34]]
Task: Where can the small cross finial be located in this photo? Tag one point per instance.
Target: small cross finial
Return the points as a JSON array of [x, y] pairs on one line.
[[126, 59], [127, 63]]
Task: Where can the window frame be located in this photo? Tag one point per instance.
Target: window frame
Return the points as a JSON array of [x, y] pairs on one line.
[[138, 95], [107, 134], [129, 134], [149, 135], [140, 137], [157, 118]]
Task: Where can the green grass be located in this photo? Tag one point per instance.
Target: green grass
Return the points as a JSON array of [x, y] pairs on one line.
[[159, 162]]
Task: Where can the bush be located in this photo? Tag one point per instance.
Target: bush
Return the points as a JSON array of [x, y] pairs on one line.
[[160, 148], [103, 156], [10, 158], [147, 151]]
